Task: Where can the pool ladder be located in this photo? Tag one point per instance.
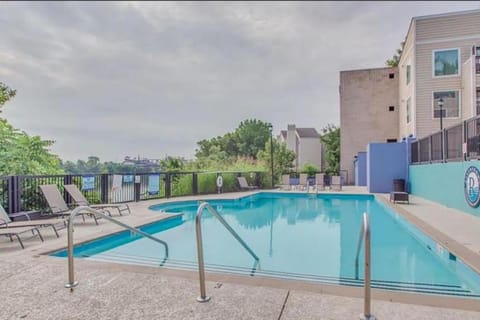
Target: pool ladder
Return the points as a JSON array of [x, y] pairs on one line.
[[198, 228], [365, 236], [71, 276]]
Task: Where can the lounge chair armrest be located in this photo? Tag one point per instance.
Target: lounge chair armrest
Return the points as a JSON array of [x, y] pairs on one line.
[[3, 222], [22, 214]]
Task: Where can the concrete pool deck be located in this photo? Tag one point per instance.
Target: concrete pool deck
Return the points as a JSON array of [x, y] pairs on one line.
[[33, 283]]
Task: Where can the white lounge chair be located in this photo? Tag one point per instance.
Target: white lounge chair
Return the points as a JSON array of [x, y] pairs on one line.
[[303, 181], [80, 200], [244, 184], [319, 181], [57, 205], [6, 221], [285, 182], [336, 183]]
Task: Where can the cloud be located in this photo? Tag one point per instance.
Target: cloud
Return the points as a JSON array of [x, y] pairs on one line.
[[153, 78]]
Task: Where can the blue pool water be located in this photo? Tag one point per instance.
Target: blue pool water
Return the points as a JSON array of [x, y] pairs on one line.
[[296, 236]]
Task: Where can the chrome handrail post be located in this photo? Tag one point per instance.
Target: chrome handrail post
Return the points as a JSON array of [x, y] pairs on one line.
[[198, 230], [201, 267], [365, 235], [71, 275]]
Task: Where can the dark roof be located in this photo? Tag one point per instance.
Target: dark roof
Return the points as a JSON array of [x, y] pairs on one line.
[[307, 133], [283, 133]]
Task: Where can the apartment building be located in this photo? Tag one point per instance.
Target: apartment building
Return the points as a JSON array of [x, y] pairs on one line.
[[440, 62], [306, 144], [368, 112]]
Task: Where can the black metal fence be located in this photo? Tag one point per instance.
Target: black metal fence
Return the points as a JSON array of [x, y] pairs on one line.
[[22, 193], [457, 143]]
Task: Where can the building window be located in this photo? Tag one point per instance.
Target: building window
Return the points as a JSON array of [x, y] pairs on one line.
[[391, 108], [391, 75], [445, 62], [451, 105], [478, 100], [409, 67], [391, 140], [409, 109], [477, 60]]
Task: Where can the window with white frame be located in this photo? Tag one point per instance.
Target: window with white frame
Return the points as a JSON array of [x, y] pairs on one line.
[[409, 110], [451, 104], [445, 62], [409, 70]]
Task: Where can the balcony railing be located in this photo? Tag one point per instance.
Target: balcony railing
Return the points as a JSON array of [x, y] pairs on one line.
[[460, 142]]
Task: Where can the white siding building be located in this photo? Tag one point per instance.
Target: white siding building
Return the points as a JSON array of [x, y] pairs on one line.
[[306, 144]]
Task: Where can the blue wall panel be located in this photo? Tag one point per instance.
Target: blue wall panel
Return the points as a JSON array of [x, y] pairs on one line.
[[385, 162], [443, 183], [361, 169]]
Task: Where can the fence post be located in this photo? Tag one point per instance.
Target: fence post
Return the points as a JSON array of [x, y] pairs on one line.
[[168, 185], [104, 187], [11, 194], [257, 179], [67, 179], [194, 183], [430, 149], [464, 140], [137, 185]]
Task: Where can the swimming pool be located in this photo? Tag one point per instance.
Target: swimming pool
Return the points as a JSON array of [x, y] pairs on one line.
[[296, 236]]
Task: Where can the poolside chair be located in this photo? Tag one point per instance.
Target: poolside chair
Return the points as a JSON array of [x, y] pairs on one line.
[[6, 222], [319, 181], [57, 205], [80, 200], [303, 181], [336, 183], [244, 184], [11, 232], [286, 182]]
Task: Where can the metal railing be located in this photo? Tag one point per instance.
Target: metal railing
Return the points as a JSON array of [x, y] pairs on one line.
[[460, 142], [198, 228], [71, 275], [22, 193], [365, 235]]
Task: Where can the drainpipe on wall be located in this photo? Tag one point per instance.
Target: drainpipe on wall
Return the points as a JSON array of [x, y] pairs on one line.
[[408, 144]]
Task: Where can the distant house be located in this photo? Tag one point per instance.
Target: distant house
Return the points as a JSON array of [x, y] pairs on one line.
[[306, 144], [143, 164]]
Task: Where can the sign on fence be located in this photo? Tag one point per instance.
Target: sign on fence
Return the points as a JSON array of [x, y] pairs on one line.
[[117, 183], [128, 178], [153, 184], [88, 183]]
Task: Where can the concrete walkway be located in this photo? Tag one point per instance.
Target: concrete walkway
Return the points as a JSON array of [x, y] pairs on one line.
[[33, 286]]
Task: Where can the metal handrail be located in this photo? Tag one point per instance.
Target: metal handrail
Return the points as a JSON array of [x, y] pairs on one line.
[[198, 227], [71, 276], [365, 233]]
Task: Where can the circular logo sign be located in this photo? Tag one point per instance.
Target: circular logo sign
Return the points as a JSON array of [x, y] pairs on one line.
[[471, 186], [219, 181]]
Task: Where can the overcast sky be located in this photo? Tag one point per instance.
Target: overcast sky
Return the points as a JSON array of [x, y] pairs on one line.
[[152, 79]]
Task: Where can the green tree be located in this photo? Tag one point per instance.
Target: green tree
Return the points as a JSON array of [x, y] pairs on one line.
[[282, 158], [172, 164], [5, 94], [245, 141], [21, 154], [251, 135], [331, 140], [396, 57], [309, 169]]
